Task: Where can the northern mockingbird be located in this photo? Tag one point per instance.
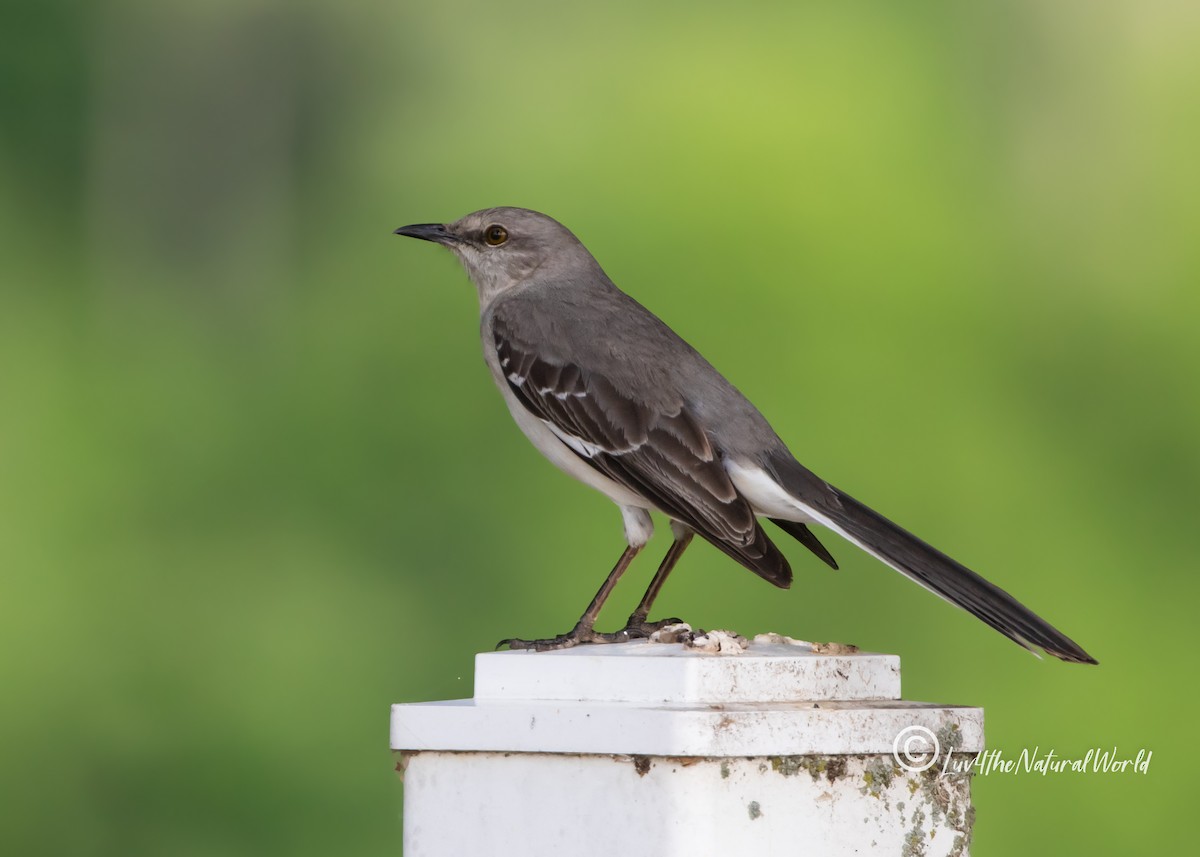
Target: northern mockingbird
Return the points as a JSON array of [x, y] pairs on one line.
[[617, 399]]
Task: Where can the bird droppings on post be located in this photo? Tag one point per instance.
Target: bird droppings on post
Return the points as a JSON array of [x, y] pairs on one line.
[[719, 642], [815, 648], [724, 642], [678, 632]]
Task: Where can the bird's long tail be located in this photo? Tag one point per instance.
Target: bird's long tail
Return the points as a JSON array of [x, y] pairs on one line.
[[925, 564]]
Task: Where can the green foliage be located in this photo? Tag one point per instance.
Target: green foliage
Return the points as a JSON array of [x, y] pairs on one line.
[[255, 484]]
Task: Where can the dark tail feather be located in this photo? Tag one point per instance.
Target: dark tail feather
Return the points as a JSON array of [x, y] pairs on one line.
[[953, 581], [805, 536], [923, 563]]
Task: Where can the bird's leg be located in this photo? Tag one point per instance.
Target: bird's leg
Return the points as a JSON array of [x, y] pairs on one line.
[[637, 626], [584, 630]]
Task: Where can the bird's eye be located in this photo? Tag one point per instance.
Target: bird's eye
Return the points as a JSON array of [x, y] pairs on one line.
[[495, 235]]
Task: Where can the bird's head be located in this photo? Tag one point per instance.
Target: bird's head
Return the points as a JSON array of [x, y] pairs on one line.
[[505, 247]]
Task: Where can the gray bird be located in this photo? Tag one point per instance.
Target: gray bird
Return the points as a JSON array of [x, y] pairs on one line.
[[618, 400]]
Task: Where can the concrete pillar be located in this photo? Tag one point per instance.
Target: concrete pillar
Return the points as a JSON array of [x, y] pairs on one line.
[[657, 748]]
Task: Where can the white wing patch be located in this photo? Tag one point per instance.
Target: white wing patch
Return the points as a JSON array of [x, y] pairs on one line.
[[558, 395], [584, 447], [768, 498], [581, 446]]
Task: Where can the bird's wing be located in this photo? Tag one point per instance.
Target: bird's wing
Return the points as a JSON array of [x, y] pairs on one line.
[[660, 454]]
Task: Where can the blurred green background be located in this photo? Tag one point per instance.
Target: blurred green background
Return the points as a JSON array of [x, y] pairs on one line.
[[255, 483]]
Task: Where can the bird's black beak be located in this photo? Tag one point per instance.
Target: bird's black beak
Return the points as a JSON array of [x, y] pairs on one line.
[[435, 232]]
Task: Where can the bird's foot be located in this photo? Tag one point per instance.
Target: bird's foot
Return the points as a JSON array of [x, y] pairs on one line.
[[575, 637], [636, 629]]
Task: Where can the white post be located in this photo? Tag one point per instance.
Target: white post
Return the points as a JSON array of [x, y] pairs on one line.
[[652, 748]]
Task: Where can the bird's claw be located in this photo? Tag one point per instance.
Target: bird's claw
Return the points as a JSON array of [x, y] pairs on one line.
[[635, 629], [551, 644]]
